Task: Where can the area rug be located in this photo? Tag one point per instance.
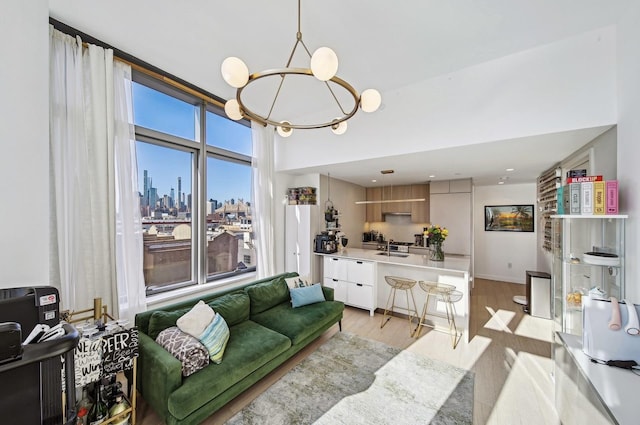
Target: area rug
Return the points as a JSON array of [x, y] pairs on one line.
[[353, 380]]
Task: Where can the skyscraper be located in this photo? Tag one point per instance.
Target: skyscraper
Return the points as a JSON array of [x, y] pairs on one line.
[[145, 194], [179, 205]]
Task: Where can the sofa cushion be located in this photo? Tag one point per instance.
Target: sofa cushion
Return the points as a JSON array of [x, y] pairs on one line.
[[250, 347], [215, 338], [161, 320], [300, 323], [184, 347], [196, 320], [234, 307], [305, 295], [265, 295]]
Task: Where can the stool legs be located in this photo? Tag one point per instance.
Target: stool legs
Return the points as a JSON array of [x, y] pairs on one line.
[[450, 310], [389, 309]]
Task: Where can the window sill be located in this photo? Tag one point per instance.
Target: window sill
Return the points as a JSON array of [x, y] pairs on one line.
[[182, 294]]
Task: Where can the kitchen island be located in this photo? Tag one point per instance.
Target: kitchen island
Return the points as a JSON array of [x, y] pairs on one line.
[[357, 276]]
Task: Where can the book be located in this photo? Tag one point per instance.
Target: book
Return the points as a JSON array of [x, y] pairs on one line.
[[566, 199], [574, 200], [599, 196], [560, 200], [584, 179], [586, 198], [611, 197]]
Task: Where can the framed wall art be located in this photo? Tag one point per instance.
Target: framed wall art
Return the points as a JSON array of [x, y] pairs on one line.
[[508, 218]]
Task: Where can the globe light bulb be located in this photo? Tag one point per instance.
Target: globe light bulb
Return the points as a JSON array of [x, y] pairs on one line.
[[234, 72], [370, 100], [338, 127], [232, 109], [324, 63], [284, 130]]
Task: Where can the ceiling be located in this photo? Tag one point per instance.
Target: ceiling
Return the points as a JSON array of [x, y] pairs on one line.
[[380, 44]]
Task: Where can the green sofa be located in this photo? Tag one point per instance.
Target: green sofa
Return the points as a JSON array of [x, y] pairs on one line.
[[264, 332]]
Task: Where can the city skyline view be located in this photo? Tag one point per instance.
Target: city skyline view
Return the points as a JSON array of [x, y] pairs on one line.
[[225, 180]]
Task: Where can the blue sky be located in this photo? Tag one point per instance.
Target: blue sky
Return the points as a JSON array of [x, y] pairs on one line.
[[163, 113]]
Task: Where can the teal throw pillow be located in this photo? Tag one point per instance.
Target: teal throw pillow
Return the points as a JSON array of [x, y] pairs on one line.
[[306, 295], [215, 338]]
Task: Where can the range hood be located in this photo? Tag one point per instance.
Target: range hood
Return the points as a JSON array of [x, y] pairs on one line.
[[407, 214]]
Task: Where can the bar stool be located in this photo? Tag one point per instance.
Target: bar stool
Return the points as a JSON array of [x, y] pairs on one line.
[[400, 284], [449, 295]]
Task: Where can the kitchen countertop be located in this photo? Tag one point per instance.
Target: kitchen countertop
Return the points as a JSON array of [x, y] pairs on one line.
[[452, 262]]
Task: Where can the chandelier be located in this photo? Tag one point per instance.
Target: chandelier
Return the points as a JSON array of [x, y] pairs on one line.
[[323, 66]]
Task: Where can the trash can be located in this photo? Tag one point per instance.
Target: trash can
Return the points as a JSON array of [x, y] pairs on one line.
[[538, 294]]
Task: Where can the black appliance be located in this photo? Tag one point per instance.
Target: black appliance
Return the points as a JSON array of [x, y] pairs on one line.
[[325, 243], [368, 237], [31, 383]]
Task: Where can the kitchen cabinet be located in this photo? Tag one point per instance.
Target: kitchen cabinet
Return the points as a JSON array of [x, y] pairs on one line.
[[420, 210], [353, 281], [576, 271], [394, 193], [374, 211], [298, 242]]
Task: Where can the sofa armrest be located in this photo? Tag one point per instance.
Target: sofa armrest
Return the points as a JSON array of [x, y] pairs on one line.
[[328, 293], [159, 374]]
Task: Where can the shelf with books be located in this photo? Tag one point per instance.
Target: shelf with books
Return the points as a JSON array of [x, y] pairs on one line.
[[548, 184]]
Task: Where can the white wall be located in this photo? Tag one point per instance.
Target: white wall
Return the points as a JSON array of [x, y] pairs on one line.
[[628, 66], [566, 85], [24, 134], [493, 251]]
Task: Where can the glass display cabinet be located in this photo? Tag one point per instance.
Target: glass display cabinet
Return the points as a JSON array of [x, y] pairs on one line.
[[588, 260]]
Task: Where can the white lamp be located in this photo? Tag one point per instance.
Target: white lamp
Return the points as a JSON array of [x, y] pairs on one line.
[[339, 127], [324, 64], [234, 72], [232, 109], [284, 129], [370, 100]]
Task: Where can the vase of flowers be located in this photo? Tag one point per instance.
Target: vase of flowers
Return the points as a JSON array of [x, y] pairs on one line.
[[436, 235]]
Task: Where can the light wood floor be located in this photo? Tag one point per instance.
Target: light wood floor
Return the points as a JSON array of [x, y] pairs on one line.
[[508, 350]]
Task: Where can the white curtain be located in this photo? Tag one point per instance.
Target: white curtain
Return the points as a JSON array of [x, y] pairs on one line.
[[128, 231], [82, 171], [263, 198]]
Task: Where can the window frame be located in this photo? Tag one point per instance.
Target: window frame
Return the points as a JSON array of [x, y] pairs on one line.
[[201, 152]]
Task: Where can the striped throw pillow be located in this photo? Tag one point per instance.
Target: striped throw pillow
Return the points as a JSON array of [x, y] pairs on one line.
[[215, 338]]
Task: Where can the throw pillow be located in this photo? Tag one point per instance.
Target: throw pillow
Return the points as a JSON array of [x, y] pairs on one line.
[[191, 353], [196, 320], [215, 338], [306, 295], [298, 281], [161, 320], [267, 294], [234, 307]]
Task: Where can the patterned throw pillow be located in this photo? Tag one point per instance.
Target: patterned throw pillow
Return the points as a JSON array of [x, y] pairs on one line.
[[191, 353], [215, 338], [298, 282]]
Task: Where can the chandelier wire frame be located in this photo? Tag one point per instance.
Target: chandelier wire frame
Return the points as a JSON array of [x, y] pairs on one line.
[[283, 72]]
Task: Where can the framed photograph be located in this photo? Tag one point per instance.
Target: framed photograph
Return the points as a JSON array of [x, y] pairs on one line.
[[508, 218]]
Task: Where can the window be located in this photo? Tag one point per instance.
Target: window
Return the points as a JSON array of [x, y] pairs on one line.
[[196, 229]]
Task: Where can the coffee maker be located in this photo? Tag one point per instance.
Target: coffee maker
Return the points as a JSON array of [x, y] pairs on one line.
[[325, 243]]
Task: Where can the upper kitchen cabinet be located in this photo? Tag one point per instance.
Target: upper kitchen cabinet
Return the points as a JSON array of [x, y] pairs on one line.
[[420, 210], [381, 195], [393, 193], [374, 211]]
